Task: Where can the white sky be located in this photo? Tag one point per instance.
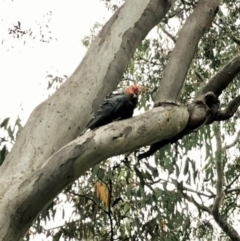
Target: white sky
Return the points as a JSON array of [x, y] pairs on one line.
[[23, 68]]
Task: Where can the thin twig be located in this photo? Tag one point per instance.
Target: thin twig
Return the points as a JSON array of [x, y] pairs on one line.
[[189, 189], [89, 198], [198, 205], [233, 190], [223, 77], [230, 184], [109, 209], [168, 34], [199, 193], [236, 140], [229, 33]]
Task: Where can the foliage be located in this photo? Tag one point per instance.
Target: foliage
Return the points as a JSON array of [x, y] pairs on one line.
[[159, 198], [41, 32], [9, 134]]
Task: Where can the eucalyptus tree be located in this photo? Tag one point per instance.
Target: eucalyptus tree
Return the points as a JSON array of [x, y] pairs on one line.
[[158, 185]]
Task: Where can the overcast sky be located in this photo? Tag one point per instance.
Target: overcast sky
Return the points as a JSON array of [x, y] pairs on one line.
[[23, 67]]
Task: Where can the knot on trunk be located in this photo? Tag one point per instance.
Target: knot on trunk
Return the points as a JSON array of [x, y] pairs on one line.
[[202, 111]]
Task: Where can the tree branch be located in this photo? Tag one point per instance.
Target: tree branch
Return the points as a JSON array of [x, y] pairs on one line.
[[233, 190], [198, 205], [197, 192], [236, 140], [219, 168], [88, 85], [223, 77], [186, 46], [110, 212], [229, 111], [168, 34], [203, 108], [63, 116], [227, 228], [72, 160]]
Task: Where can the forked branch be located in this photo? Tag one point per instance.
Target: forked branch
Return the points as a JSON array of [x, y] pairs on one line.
[[204, 110]]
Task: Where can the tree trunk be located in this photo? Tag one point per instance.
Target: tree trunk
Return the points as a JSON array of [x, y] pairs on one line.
[[27, 184]]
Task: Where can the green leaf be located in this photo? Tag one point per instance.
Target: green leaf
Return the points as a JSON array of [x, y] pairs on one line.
[[126, 208], [5, 123], [10, 133]]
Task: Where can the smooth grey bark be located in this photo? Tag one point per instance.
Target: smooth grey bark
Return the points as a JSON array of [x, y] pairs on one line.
[[64, 115], [186, 46], [26, 186], [219, 82], [75, 158], [72, 160], [175, 73]]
